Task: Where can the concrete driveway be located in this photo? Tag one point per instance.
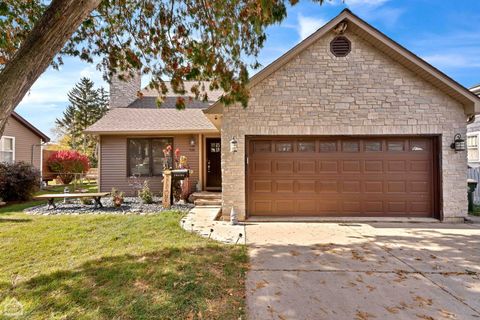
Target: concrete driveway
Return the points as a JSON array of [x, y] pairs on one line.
[[363, 271]]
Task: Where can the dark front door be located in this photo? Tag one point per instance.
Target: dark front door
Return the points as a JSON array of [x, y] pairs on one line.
[[214, 174]]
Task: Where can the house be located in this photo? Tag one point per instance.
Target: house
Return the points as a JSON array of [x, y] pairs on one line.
[[21, 141], [473, 133], [348, 123]]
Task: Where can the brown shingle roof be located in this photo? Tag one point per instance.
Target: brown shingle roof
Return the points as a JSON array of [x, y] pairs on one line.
[[151, 121]]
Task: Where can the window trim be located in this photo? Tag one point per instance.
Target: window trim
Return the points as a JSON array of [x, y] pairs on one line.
[[476, 135], [2, 146], [150, 161]]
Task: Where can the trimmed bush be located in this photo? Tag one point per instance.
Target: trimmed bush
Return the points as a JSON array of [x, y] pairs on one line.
[[18, 181], [67, 163], [145, 194]]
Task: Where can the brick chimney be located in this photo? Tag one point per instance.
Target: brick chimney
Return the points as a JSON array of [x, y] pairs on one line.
[[122, 93]]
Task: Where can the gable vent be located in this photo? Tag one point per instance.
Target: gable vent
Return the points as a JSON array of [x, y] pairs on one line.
[[340, 46]]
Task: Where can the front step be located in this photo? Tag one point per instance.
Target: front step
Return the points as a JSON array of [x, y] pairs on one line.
[[207, 202], [205, 195]]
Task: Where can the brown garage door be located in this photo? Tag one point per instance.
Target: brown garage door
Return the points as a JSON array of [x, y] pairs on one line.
[[341, 176]]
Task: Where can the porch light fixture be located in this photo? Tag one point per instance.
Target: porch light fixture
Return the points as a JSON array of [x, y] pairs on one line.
[[458, 143], [192, 141], [233, 145]]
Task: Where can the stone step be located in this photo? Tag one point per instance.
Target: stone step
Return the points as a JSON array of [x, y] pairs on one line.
[[207, 195], [205, 202]]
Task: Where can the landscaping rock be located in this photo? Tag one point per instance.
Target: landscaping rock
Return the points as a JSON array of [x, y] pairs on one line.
[[131, 205]]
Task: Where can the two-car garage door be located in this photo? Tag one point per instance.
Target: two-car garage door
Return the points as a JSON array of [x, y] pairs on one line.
[[341, 176]]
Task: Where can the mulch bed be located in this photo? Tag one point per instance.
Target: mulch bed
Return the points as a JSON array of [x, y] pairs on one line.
[[131, 205]]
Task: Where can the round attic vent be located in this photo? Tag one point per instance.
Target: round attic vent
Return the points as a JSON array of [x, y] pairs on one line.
[[340, 46]]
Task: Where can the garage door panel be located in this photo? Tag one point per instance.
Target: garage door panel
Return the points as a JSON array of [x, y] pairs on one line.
[[373, 166], [351, 166], [373, 186], [306, 166], [328, 166], [327, 186], [262, 186], [351, 187], [396, 187], [397, 165], [341, 176], [284, 167], [261, 167], [306, 186], [284, 186]]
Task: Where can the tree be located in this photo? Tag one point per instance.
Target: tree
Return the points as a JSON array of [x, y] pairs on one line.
[[183, 39], [87, 106]]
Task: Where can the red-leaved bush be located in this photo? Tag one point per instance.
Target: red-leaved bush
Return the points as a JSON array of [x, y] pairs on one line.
[[68, 162]]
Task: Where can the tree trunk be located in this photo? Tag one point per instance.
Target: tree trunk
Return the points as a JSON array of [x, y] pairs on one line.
[[61, 19]]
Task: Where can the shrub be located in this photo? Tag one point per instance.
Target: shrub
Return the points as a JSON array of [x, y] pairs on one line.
[[67, 163], [117, 197], [18, 181], [145, 194]]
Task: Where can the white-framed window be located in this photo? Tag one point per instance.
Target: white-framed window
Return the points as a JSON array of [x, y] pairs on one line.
[[472, 147], [7, 149]]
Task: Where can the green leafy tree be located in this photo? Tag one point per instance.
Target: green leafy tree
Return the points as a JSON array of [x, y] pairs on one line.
[[168, 39], [87, 106]]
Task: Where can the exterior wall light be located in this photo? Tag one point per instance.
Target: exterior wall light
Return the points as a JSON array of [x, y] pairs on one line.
[[233, 145], [192, 141], [458, 143]]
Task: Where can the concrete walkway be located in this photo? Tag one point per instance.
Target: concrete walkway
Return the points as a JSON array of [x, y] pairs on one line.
[[363, 271], [201, 220]]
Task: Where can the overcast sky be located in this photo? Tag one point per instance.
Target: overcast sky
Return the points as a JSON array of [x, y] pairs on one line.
[[446, 33]]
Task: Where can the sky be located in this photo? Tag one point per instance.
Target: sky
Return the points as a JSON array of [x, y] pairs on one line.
[[445, 33]]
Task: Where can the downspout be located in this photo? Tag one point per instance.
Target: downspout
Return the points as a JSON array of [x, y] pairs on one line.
[[32, 152]]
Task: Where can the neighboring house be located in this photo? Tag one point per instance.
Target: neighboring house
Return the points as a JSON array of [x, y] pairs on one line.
[[346, 124], [21, 141], [473, 134]]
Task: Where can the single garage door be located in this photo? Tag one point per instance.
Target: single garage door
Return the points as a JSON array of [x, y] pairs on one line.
[[341, 176]]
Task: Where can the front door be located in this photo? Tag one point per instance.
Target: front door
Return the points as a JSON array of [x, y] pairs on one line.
[[214, 174]]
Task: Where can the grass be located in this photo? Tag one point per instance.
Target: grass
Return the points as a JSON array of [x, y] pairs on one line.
[[116, 267]]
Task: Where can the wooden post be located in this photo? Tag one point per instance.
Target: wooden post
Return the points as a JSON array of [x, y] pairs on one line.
[[167, 189]]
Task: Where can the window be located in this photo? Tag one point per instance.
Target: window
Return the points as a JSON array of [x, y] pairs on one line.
[[472, 148], [350, 146], [7, 149], [284, 147], [146, 156], [262, 146], [418, 145], [328, 146], [395, 146], [372, 146], [306, 146], [472, 142]]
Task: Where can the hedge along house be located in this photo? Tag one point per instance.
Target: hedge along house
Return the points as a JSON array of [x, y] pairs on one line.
[[346, 124]]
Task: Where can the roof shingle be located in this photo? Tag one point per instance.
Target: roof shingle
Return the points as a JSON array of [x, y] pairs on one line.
[[145, 120]]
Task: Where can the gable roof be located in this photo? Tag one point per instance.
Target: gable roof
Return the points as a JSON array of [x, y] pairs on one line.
[[152, 121], [30, 126], [381, 42]]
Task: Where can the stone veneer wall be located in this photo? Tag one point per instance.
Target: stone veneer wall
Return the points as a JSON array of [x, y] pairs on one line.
[[363, 93]]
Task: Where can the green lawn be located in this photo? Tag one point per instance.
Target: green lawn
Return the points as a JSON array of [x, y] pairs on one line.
[[116, 267]]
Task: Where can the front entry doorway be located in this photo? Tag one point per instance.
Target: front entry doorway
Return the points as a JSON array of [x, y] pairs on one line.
[[213, 155]]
